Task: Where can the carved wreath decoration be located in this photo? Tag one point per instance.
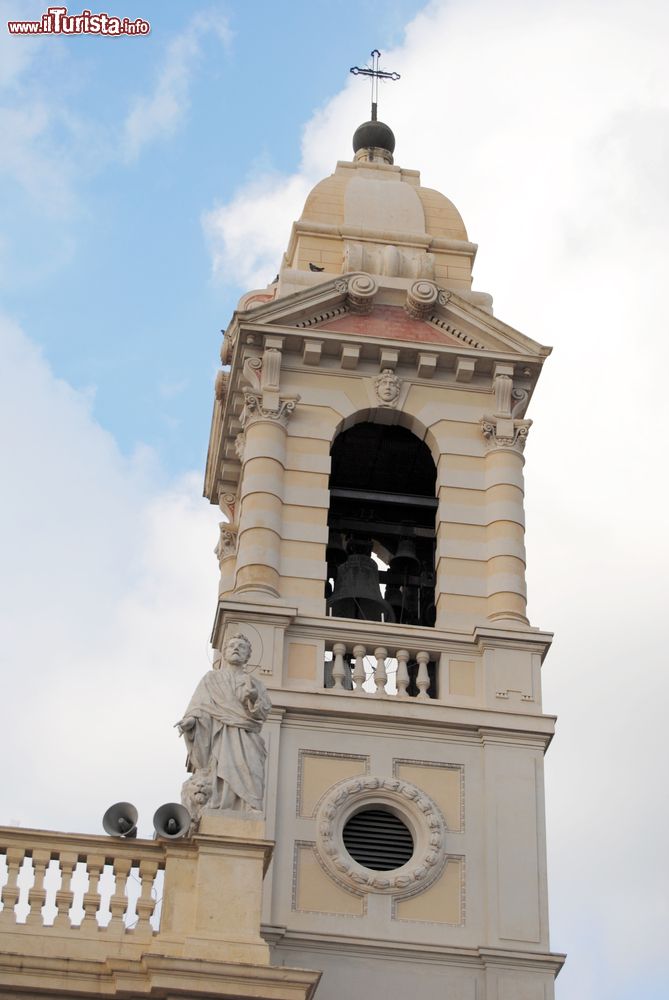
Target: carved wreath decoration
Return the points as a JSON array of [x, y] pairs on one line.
[[418, 810]]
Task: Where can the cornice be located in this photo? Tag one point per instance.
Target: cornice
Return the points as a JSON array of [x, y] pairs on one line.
[[289, 310], [389, 950], [287, 330], [152, 974], [412, 716], [422, 241]]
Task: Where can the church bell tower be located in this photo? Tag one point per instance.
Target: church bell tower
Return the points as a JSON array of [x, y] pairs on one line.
[[367, 451]]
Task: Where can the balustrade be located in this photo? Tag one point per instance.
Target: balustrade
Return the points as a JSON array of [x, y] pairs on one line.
[[377, 671], [95, 883]]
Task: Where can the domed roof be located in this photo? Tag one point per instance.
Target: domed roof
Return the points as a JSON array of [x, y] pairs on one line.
[[374, 217], [382, 197]]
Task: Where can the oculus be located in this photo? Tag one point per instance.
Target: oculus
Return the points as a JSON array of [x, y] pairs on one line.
[[362, 842]]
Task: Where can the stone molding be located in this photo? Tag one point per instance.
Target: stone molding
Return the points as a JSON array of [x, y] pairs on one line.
[[240, 441], [227, 502], [421, 299], [227, 541], [414, 807], [444, 765], [254, 410], [387, 259], [252, 372], [360, 290], [505, 433], [321, 755], [308, 845], [221, 385]]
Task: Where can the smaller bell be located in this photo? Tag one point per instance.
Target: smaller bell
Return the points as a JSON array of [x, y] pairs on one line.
[[335, 553], [394, 599], [405, 559]]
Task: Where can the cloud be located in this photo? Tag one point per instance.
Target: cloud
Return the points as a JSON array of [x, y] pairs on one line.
[[159, 114], [248, 235], [548, 126], [30, 157], [107, 596]]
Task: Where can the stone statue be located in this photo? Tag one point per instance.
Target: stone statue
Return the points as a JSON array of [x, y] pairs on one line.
[[221, 727]]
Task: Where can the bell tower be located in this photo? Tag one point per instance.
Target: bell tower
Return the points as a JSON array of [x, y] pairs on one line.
[[367, 450]]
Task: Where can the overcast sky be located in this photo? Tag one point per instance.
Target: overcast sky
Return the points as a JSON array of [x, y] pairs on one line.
[[146, 183]]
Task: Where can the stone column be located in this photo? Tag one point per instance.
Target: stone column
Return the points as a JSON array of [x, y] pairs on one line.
[[505, 437], [261, 494], [506, 589]]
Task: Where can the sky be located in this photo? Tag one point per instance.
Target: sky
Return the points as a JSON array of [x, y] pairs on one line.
[[145, 184]]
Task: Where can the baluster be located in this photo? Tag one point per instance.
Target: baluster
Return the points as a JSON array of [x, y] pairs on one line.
[[65, 892], [11, 891], [423, 678], [338, 668], [380, 675], [91, 901], [37, 893], [402, 673], [118, 902], [359, 653], [146, 904]]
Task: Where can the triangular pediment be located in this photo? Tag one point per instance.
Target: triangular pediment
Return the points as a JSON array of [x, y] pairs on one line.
[[451, 321]]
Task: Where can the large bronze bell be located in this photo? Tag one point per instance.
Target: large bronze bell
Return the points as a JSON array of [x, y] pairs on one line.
[[357, 593], [405, 560]]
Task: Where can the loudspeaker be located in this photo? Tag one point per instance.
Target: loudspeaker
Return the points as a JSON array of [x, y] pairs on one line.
[[120, 820], [171, 821]]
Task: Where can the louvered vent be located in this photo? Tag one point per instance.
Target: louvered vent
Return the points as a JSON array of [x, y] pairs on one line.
[[378, 839]]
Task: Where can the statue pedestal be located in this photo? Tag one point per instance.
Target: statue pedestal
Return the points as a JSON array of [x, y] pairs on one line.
[[230, 823], [214, 896]]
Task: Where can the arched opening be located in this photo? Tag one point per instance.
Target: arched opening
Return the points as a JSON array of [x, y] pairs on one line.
[[381, 545]]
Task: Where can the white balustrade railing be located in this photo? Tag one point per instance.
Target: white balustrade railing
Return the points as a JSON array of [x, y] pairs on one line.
[[95, 883], [379, 671]]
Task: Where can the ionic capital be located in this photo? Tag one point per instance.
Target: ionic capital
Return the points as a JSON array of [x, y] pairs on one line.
[[505, 433], [254, 410]]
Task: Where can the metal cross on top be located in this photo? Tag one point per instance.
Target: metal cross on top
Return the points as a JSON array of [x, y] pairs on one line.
[[376, 75]]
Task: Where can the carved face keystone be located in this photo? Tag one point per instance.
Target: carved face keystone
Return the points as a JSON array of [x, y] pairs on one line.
[[387, 386]]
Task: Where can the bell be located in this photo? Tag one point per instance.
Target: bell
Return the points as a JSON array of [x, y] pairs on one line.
[[357, 593], [335, 553], [405, 559], [430, 615], [395, 600]]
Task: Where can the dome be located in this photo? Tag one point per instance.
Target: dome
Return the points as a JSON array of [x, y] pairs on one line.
[[433, 213], [374, 216]]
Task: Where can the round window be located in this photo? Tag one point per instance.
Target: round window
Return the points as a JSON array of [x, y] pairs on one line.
[[378, 839]]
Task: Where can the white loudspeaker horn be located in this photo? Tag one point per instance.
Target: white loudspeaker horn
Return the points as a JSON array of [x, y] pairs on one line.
[[120, 820], [171, 821]]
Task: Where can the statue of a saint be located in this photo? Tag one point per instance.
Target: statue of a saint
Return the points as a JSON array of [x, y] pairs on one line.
[[221, 727]]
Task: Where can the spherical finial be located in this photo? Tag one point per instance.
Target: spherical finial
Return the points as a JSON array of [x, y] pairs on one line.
[[374, 135]]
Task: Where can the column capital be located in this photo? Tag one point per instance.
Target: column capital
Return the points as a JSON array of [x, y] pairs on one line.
[[254, 410], [505, 433]]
